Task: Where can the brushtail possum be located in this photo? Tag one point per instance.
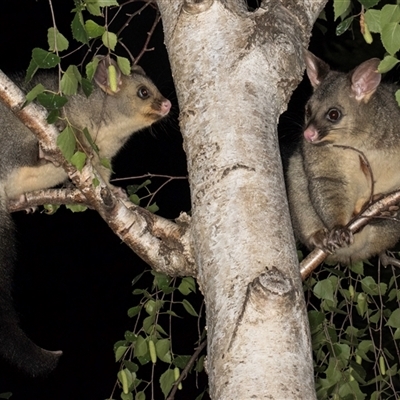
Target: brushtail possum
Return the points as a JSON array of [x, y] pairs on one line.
[[349, 154], [110, 119]]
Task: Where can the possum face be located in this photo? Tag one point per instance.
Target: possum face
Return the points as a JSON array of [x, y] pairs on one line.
[[139, 96]]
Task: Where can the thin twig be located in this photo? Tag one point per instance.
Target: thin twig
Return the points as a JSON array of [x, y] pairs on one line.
[[149, 35], [186, 370]]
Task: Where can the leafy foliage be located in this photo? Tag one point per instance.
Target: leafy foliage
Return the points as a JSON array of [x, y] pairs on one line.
[[375, 17], [355, 321], [151, 340]]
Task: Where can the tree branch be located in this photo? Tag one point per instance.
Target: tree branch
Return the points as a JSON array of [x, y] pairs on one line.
[[317, 256], [163, 244]]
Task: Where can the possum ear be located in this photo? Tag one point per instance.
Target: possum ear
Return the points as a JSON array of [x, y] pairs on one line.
[[365, 79], [136, 69], [316, 68], [108, 75]]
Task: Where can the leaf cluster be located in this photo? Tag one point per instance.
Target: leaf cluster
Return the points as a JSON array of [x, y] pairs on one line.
[[150, 343], [355, 325], [375, 17]]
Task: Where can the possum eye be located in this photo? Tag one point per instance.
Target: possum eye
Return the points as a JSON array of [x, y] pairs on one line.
[[143, 93], [333, 115]]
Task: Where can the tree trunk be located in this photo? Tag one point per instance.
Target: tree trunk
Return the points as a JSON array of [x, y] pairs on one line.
[[234, 72]]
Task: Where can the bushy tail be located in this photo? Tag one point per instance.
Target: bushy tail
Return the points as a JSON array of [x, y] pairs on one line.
[[15, 346]]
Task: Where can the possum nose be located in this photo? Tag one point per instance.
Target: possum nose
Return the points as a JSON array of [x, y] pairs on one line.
[[165, 107], [311, 134]]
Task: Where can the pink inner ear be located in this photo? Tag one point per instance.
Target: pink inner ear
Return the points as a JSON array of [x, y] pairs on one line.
[[312, 70], [365, 79], [316, 68]]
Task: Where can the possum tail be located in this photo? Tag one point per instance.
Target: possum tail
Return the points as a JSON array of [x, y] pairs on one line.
[[15, 346]]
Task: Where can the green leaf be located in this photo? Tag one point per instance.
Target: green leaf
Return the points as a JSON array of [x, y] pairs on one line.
[[160, 280], [357, 268], [351, 390], [70, 80], [40, 59], [53, 116], [135, 188], [396, 335], [130, 337], [163, 350], [397, 95], [135, 199], [387, 64], [394, 319], [141, 348], [391, 37], [91, 68], [374, 318], [76, 207], [32, 94], [362, 304], [93, 7], [6, 395], [187, 285], [340, 7], [51, 101], [342, 352], [315, 318], [134, 311], [369, 286], [150, 307], [133, 367], [181, 361], [44, 59], [105, 162], [78, 30], [373, 20], [140, 396], [160, 329], [51, 208], [189, 308], [148, 323], [363, 348], [124, 65], [333, 373], [87, 87], [119, 352], [153, 208], [109, 40], [167, 379], [56, 40], [390, 13], [66, 142], [31, 70], [107, 3], [324, 290], [78, 160], [200, 364], [93, 29], [344, 25], [369, 3]]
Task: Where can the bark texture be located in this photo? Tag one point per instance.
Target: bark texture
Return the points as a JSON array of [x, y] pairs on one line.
[[234, 72]]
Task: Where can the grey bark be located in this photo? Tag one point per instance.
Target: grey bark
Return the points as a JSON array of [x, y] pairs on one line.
[[234, 73]]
